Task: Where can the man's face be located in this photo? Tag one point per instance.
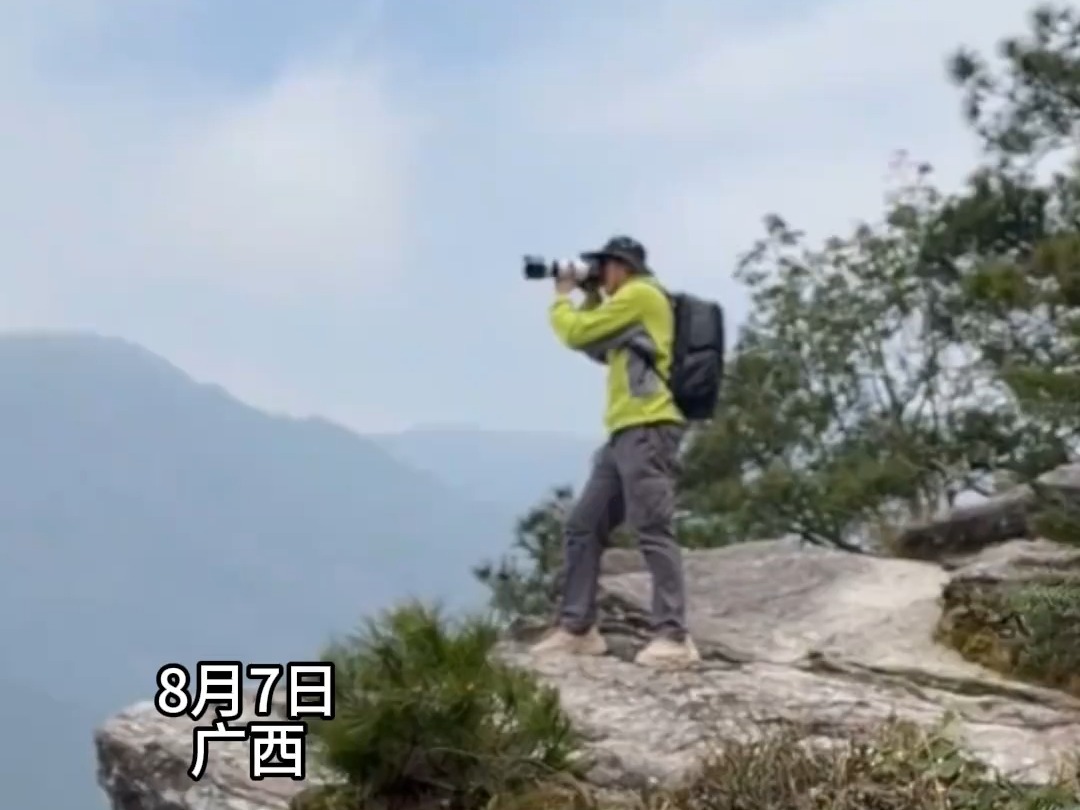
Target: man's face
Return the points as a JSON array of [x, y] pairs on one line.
[[613, 275]]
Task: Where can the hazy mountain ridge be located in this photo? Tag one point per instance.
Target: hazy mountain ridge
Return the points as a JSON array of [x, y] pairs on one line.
[[513, 469], [146, 518]]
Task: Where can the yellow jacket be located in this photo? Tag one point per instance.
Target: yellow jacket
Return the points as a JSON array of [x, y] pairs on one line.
[[638, 315]]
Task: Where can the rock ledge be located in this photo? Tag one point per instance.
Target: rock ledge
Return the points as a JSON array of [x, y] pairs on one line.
[[833, 643]]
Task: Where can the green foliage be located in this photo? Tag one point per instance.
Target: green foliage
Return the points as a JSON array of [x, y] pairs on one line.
[[1030, 106], [1028, 629], [1050, 616], [1005, 251], [841, 408], [1056, 516], [934, 351], [1009, 243], [898, 767], [425, 711], [695, 530], [525, 583]]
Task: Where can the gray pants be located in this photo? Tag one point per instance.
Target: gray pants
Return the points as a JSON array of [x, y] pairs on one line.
[[632, 480]]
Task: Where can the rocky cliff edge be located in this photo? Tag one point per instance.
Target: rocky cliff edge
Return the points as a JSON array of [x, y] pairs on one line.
[[830, 642]]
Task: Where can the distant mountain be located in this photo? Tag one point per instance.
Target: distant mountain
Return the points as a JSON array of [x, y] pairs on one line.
[[48, 729], [511, 469], [146, 518]]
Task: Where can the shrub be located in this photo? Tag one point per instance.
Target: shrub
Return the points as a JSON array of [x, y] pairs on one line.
[[1029, 630], [423, 710], [1050, 617], [897, 767]]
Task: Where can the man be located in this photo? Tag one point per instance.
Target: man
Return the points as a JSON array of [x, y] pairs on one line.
[[633, 477]]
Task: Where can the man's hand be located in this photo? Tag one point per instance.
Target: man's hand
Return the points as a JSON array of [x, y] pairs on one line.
[[564, 285]]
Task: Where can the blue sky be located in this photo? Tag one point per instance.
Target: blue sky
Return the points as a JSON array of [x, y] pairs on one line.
[[323, 205]]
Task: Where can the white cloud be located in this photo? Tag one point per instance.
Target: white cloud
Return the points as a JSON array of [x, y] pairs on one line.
[[682, 123], [687, 70], [727, 121], [299, 186], [302, 188]]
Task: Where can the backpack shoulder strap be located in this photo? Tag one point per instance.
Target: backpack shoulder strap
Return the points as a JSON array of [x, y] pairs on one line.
[[649, 359]]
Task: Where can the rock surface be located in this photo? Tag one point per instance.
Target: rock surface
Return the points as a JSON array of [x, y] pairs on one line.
[[1021, 561], [968, 530], [827, 641], [143, 761]]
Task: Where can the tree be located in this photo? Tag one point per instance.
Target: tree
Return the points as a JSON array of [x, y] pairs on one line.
[[1010, 242], [932, 352], [846, 404], [1028, 108], [1006, 253], [1008, 245], [525, 582]]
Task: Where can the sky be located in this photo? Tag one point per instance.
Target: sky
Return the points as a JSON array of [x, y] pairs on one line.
[[323, 206]]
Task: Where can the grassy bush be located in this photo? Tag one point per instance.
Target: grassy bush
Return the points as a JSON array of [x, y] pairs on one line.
[[425, 713], [1050, 615], [898, 767], [1029, 630]]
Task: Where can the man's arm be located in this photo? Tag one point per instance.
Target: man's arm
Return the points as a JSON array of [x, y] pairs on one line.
[[578, 328], [593, 299]]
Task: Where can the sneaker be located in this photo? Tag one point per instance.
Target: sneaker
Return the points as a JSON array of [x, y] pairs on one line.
[[561, 640], [667, 653]]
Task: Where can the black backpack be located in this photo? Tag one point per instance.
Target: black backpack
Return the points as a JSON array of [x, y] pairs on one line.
[[697, 360]]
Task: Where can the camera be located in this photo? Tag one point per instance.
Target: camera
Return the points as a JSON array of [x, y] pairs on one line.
[[538, 268]]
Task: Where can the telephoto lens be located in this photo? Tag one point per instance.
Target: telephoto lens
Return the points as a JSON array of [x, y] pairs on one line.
[[537, 268]]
